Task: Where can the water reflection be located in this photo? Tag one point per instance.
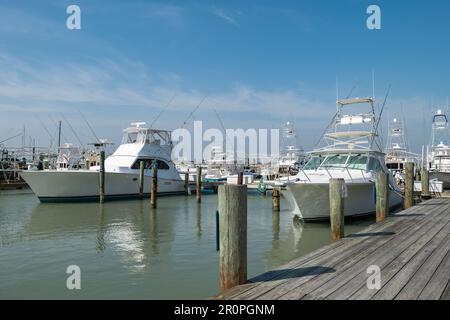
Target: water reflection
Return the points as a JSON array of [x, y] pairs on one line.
[[171, 248], [198, 214], [101, 243]]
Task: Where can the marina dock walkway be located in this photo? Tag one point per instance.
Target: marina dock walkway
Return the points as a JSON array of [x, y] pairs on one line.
[[411, 248]]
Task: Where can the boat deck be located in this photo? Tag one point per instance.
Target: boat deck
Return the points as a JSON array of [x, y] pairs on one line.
[[411, 248]]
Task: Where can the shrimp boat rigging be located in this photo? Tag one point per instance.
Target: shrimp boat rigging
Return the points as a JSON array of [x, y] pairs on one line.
[[150, 145], [351, 149]]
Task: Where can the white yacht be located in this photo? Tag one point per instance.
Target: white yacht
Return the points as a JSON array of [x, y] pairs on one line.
[[397, 153], [291, 156], [121, 171], [439, 156], [352, 151]]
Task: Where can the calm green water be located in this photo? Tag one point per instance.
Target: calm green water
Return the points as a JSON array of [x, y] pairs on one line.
[[127, 250]]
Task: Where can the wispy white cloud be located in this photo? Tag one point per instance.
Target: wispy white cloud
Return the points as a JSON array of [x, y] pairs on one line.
[[227, 16]]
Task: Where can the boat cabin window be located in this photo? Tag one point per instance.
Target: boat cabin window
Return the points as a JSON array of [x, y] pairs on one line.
[[313, 163], [148, 163], [335, 161], [358, 162], [374, 165], [129, 137]]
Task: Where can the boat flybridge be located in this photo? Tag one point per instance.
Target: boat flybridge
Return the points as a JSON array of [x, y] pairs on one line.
[[349, 149], [150, 145], [397, 153], [439, 156]]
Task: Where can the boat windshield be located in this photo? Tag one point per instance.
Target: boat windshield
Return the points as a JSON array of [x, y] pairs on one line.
[[357, 162], [335, 161], [134, 137], [374, 165], [313, 163]]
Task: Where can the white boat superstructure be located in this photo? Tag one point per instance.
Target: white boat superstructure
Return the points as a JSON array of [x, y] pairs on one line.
[[350, 149], [397, 153], [439, 153], [152, 146], [292, 157]]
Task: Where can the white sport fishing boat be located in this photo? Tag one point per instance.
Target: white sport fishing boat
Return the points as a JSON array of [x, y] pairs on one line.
[[397, 153], [121, 171], [351, 151], [439, 157]]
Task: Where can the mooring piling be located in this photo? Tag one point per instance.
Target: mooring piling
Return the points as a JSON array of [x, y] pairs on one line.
[[187, 190], [233, 235], [199, 184], [382, 192], [102, 176], [409, 185], [240, 179], [154, 189], [276, 199], [425, 181], [337, 208], [141, 178]]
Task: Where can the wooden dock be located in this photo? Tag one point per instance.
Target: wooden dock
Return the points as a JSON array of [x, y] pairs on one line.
[[411, 248]]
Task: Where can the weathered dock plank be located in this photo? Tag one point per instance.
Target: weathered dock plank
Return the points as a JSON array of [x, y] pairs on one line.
[[411, 248], [343, 249]]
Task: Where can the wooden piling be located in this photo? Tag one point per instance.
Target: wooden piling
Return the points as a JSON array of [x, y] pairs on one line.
[[233, 235], [187, 190], [337, 208], [276, 199], [102, 176], [199, 184], [425, 180], [141, 178], [382, 192], [154, 191], [409, 185], [240, 179], [87, 164]]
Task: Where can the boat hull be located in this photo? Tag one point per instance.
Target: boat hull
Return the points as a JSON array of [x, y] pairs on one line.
[[311, 201], [80, 186], [441, 176]]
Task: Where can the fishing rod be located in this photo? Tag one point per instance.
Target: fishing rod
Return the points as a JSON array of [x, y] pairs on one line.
[[193, 111], [89, 126], [48, 132], [164, 109], [381, 111], [73, 131], [10, 138]]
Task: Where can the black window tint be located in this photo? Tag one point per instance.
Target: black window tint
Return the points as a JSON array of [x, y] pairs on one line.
[[148, 164], [162, 165]]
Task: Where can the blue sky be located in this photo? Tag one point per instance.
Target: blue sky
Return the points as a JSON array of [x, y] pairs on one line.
[[260, 62]]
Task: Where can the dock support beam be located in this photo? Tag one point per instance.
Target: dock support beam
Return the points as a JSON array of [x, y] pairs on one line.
[[233, 235], [409, 185], [337, 208], [102, 176], [141, 179], [199, 184], [382, 191], [276, 199], [425, 180], [154, 191]]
